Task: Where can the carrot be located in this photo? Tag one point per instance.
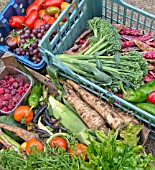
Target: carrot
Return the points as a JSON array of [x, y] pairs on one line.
[[24, 134], [104, 109], [89, 116]]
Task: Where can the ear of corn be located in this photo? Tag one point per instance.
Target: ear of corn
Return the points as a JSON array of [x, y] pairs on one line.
[[70, 120]]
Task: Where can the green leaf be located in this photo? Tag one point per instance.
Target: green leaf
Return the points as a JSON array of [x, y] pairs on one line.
[[99, 64], [28, 42], [130, 133]]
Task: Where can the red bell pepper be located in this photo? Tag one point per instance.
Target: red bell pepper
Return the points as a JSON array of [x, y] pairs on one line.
[[56, 3], [33, 6], [38, 23], [31, 18], [17, 21], [151, 97]]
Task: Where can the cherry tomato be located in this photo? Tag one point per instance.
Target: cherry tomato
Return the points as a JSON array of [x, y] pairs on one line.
[[23, 114], [41, 13], [23, 146], [51, 20], [34, 145], [17, 21], [46, 17], [38, 23], [64, 5], [79, 149], [52, 10], [60, 142]]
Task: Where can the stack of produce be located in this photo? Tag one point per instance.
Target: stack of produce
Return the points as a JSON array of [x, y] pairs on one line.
[[60, 136], [28, 30]]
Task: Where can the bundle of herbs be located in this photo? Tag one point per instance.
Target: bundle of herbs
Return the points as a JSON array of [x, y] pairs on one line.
[[108, 71]]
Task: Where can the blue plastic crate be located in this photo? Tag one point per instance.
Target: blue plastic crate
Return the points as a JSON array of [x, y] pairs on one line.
[[76, 24], [15, 7]]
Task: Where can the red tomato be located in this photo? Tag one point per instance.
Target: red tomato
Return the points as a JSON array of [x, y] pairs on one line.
[[79, 149], [56, 3], [23, 114], [60, 142], [33, 6], [38, 23], [51, 20], [31, 18], [34, 145], [17, 21], [46, 17]]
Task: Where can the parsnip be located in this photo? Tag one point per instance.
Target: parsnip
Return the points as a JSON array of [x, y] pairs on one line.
[[104, 109], [90, 117], [22, 133]]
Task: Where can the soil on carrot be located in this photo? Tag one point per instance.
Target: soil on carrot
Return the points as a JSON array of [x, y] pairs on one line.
[[148, 6]]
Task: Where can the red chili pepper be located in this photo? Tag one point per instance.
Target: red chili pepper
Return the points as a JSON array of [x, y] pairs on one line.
[[31, 18], [17, 21], [151, 97], [38, 23], [56, 3], [33, 6]]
